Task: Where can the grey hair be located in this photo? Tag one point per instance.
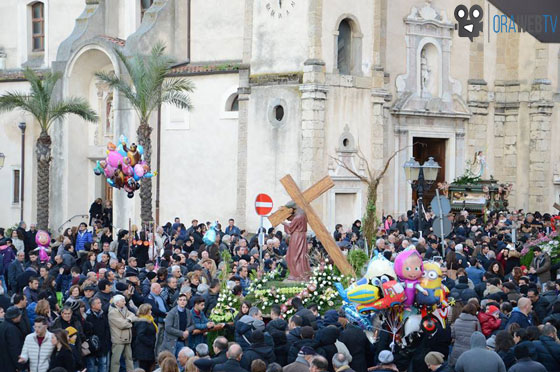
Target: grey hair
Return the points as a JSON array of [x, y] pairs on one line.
[[254, 311], [548, 330], [202, 350], [339, 360], [187, 351]]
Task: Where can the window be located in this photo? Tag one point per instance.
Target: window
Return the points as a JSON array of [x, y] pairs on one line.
[[233, 104], [16, 186], [144, 5], [37, 27], [344, 61]]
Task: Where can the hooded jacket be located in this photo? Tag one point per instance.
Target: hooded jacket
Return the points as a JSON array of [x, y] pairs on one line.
[[256, 351], [478, 358], [461, 332], [488, 323], [277, 329], [325, 343], [548, 353], [518, 317]]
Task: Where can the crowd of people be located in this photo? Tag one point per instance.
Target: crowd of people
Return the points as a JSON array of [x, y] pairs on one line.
[[142, 300]]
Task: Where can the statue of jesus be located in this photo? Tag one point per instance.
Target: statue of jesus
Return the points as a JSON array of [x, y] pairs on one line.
[[297, 258]]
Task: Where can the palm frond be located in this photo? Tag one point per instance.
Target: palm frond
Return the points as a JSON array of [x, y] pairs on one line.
[[15, 100], [117, 83], [75, 105], [178, 99]]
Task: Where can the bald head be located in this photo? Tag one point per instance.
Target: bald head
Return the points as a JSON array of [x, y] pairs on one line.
[[524, 304], [235, 352], [155, 288]]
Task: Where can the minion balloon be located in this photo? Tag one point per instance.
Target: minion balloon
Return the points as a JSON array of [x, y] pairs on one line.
[[431, 283]]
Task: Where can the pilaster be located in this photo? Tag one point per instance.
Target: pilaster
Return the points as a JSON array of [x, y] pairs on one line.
[[313, 99]]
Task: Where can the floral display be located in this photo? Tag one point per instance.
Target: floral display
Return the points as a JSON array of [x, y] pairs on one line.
[[550, 244], [267, 291]]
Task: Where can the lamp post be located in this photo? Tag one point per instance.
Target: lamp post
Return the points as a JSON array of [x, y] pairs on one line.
[[22, 126], [421, 178]]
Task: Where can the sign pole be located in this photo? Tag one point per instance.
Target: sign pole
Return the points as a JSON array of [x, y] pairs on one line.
[[261, 243], [441, 224]]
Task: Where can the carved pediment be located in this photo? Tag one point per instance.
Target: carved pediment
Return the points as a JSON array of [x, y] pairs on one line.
[[427, 87]]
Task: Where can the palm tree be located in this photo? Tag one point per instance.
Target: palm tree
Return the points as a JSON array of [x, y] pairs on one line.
[[146, 90], [39, 102]]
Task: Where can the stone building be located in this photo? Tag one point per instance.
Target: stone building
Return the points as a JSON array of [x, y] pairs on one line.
[[284, 86]]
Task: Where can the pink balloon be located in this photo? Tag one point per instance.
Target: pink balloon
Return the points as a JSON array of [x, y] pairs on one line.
[[139, 170], [109, 171], [114, 158]]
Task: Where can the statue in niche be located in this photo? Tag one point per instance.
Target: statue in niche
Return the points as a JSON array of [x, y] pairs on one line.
[[425, 72], [109, 114]]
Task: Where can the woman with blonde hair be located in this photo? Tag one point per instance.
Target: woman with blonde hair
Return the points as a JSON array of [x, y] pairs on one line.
[[74, 293], [43, 308], [144, 342], [170, 365]]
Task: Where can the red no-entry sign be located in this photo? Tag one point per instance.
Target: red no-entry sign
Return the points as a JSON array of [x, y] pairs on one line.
[[263, 204]]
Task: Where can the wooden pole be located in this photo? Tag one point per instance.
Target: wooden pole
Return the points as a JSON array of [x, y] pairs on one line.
[[310, 194], [315, 222]]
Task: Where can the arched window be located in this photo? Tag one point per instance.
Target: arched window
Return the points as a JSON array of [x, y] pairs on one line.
[[144, 5], [232, 103], [344, 46], [37, 27]]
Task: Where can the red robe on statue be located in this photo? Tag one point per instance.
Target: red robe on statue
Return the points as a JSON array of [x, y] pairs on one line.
[[297, 258]]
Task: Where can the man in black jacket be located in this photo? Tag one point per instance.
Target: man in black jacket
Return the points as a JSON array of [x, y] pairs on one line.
[[357, 343], [220, 350], [11, 340], [234, 355], [306, 314], [540, 304], [258, 350], [100, 328]]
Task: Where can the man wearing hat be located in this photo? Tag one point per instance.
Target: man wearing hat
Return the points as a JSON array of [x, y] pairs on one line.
[[11, 339], [89, 292], [435, 362], [306, 335], [386, 364], [303, 360]]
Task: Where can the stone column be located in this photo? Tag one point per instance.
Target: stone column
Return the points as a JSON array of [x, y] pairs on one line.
[[540, 113], [313, 99], [477, 99], [244, 93]]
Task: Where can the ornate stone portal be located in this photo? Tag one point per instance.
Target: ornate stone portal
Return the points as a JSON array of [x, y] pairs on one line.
[[427, 84]]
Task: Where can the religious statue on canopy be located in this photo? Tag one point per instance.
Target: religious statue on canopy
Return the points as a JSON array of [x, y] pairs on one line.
[[297, 258], [478, 165]]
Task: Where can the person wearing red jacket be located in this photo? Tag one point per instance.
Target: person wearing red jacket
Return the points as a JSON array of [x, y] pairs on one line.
[[489, 320]]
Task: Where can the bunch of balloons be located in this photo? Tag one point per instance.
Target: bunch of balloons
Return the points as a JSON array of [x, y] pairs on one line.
[[124, 166], [409, 290]]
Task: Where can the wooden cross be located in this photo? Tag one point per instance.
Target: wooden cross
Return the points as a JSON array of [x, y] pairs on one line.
[[303, 200], [557, 206]]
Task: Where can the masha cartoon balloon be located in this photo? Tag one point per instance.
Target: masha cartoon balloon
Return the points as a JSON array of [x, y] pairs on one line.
[[409, 269]]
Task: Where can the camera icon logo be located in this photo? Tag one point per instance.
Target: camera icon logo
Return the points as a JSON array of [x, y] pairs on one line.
[[469, 21]]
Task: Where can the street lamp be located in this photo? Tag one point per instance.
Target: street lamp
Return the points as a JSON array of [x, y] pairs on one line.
[[421, 178]]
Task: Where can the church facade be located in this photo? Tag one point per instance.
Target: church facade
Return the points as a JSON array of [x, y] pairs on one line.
[[284, 87]]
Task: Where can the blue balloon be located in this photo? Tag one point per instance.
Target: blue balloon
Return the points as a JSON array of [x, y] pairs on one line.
[[355, 317], [140, 149]]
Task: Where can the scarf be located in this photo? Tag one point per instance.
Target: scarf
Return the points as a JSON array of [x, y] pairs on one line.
[[150, 319]]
